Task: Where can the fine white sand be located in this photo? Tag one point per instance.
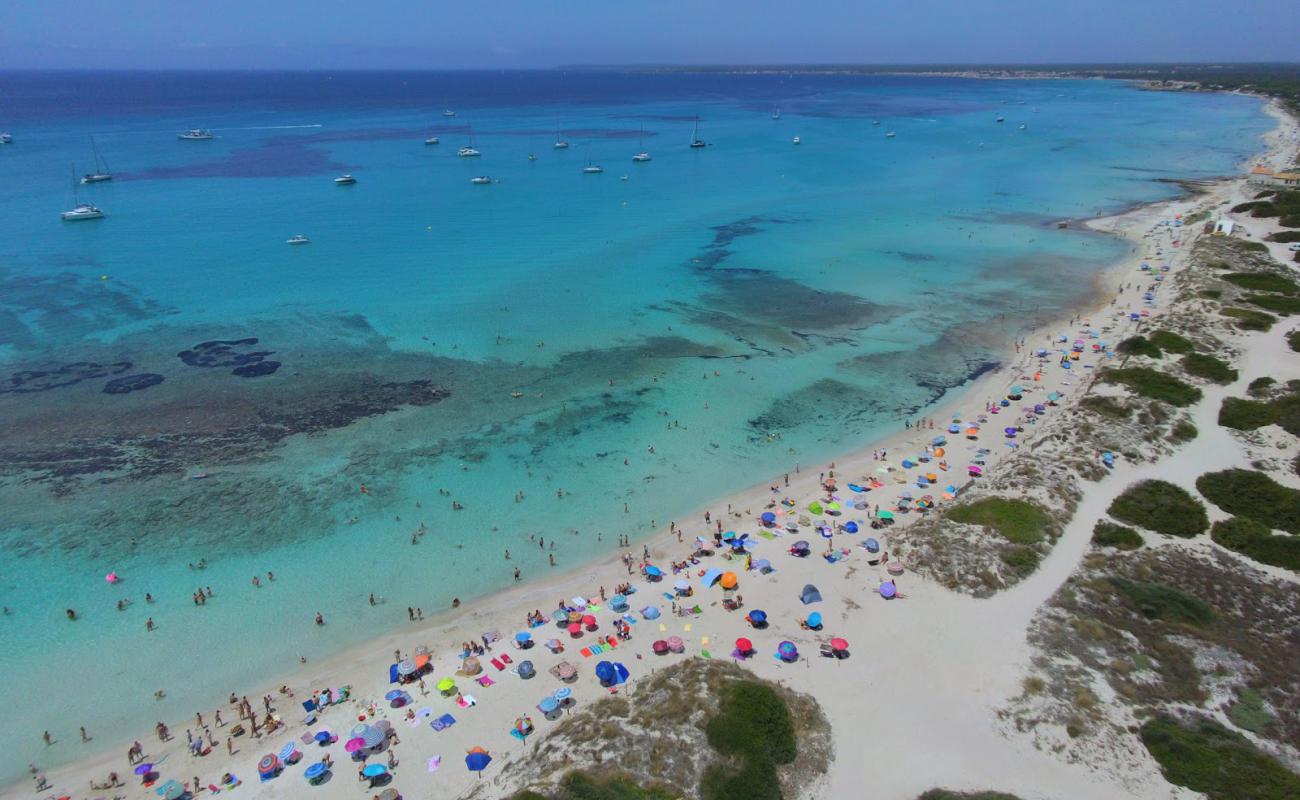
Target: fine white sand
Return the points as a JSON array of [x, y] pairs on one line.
[[913, 707]]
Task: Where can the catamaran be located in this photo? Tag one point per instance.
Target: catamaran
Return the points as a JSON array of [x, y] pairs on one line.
[[195, 134], [469, 151], [80, 210], [297, 238], [101, 172], [344, 180]]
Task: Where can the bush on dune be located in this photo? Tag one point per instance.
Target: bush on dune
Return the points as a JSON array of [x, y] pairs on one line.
[[1108, 534], [1161, 507], [1154, 384], [1206, 757], [1209, 368], [1158, 601], [1249, 493], [1019, 521], [1249, 319], [1255, 540]]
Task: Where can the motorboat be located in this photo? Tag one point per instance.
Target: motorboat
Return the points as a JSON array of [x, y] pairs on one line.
[[1001, 118], [468, 152], [6, 138], [795, 140], [1022, 126], [593, 169], [297, 238], [624, 178], [875, 122], [195, 134], [560, 144], [890, 135], [83, 211], [431, 140], [345, 180], [532, 157], [481, 180], [448, 113]]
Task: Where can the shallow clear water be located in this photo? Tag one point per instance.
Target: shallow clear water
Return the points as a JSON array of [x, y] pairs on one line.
[[779, 303]]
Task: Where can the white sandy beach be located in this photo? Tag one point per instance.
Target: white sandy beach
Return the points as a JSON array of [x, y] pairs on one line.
[[913, 707]]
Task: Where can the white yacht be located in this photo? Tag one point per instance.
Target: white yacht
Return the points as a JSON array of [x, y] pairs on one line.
[[83, 211], [875, 122], [344, 180], [890, 135], [431, 140], [625, 178], [1000, 118], [101, 172], [532, 157], [641, 156], [776, 113], [297, 238], [468, 152], [195, 134], [1022, 126], [448, 113], [6, 138], [560, 144], [593, 169], [481, 180], [795, 140]]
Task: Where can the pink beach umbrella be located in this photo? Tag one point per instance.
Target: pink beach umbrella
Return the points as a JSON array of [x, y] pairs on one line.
[[353, 745]]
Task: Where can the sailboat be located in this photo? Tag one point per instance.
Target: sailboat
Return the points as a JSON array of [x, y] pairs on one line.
[[101, 172], [776, 113], [6, 138], [80, 210], [696, 141], [642, 154], [592, 169]]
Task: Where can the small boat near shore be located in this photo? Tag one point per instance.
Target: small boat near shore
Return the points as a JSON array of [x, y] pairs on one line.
[[297, 238], [195, 135], [481, 180], [431, 140], [344, 180]]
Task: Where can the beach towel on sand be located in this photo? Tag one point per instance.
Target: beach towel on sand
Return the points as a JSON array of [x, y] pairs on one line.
[[443, 723], [494, 662]]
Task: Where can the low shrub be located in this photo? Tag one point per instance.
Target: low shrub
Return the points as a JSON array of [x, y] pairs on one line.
[[1261, 387], [1248, 712], [1285, 237], [1210, 294], [945, 794], [1278, 304], [753, 725], [1138, 346], [1255, 540], [1206, 757], [1293, 340], [1263, 282], [1170, 342], [1019, 521], [1020, 559], [1106, 406], [580, 785], [1165, 603], [1209, 368], [1108, 534], [1154, 384], [1248, 493], [1249, 320], [1246, 415], [1161, 507], [1182, 431]]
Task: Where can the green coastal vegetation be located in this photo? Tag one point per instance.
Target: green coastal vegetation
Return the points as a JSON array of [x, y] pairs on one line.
[[1253, 494], [1023, 524], [1206, 757], [1154, 384], [1269, 404], [1161, 507], [1256, 540], [1248, 319], [1163, 602], [945, 794], [1107, 534]]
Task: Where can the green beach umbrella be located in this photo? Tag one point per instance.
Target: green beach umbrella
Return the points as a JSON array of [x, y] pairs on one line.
[[815, 507], [446, 685], [886, 515]]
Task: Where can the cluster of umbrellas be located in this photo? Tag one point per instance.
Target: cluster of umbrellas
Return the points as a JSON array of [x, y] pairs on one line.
[[612, 673]]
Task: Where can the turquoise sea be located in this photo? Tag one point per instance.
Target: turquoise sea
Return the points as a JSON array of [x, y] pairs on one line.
[[738, 308]]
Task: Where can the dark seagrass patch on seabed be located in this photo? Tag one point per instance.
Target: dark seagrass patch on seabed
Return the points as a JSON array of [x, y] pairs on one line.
[[42, 380], [132, 383]]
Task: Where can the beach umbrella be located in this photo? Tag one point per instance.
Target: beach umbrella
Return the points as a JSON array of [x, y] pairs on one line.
[[728, 536], [470, 666], [374, 770], [393, 695], [373, 737], [650, 612], [800, 545], [839, 644], [886, 515], [288, 751], [787, 651], [659, 646], [314, 770], [763, 565], [421, 660], [171, 790], [1016, 391], [446, 685], [618, 602], [815, 507], [548, 704], [758, 616], [143, 769], [744, 645], [406, 667], [523, 636], [728, 580], [768, 517], [888, 589], [605, 671], [974, 471], [589, 620], [653, 571], [873, 546], [814, 619], [389, 794], [575, 629], [675, 643], [851, 527], [322, 737], [268, 764], [354, 744], [712, 575], [477, 760], [954, 428], [682, 584], [620, 673]]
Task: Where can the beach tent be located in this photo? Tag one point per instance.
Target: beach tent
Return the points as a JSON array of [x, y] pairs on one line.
[[711, 576], [810, 594]]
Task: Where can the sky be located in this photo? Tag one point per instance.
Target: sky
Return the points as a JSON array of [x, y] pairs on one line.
[[435, 34]]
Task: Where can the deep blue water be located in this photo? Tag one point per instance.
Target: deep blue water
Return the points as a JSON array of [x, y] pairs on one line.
[[738, 308]]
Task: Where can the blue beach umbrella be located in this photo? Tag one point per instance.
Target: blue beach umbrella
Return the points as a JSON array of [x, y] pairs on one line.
[[322, 737], [287, 751], [605, 672], [788, 651], [393, 695], [620, 673], [758, 616], [374, 770], [888, 589], [316, 770], [523, 636], [711, 576], [650, 612], [873, 546], [171, 790], [851, 527], [548, 704], [815, 619], [768, 517], [477, 761], [653, 571]]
